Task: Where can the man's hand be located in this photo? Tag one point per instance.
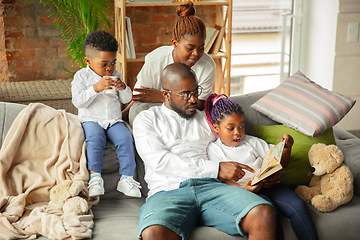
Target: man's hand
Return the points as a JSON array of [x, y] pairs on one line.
[[232, 171], [148, 95]]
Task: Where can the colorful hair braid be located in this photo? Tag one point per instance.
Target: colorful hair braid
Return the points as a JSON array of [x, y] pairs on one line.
[[217, 106]]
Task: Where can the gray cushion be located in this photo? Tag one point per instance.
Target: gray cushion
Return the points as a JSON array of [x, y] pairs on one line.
[[350, 146], [252, 117]]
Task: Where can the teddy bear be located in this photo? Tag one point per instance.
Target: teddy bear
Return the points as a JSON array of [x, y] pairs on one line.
[[64, 196], [332, 181]]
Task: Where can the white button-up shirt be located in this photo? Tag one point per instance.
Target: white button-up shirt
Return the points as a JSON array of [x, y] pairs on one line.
[[102, 108], [173, 148]]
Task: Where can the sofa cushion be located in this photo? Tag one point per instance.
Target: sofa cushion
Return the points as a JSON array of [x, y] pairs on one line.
[[303, 105], [342, 223], [297, 171]]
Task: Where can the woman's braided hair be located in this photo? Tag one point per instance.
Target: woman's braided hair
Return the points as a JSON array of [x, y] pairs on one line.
[[217, 106], [187, 23]]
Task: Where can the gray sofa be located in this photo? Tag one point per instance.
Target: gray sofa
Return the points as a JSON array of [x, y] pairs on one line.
[[116, 216]]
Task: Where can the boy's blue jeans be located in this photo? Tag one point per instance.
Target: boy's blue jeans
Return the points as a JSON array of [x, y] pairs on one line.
[[119, 136]]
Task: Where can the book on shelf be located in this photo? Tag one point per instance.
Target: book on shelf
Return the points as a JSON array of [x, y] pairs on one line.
[[130, 48], [271, 163], [211, 34], [217, 44], [127, 45]]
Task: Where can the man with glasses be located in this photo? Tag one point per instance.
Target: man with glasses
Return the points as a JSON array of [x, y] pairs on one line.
[[184, 190]]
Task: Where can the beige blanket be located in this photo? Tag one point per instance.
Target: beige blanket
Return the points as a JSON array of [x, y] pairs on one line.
[[43, 147]]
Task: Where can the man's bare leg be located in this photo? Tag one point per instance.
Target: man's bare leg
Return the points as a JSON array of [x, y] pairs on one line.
[[158, 232], [260, 223]]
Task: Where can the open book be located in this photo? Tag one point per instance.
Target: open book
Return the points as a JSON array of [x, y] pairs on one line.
[[271, 163]]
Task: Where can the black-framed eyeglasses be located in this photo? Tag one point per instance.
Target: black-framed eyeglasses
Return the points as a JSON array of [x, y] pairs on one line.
[[187, 95]]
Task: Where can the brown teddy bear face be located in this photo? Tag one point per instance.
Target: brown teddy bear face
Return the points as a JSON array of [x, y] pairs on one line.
[[324, 159], [317, 169]]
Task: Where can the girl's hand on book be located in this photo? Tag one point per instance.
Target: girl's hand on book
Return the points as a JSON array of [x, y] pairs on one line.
[[271, 181], [289, 141], [255, 188]]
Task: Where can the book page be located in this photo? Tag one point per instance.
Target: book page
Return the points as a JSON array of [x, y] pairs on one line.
[[273, 157], [271, 162]]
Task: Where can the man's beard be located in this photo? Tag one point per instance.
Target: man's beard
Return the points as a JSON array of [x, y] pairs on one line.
[[181, 112]]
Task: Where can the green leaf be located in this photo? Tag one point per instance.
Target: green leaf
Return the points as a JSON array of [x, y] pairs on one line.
[[76, 19]]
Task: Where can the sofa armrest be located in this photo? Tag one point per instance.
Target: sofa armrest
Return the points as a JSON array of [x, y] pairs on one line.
[[350, 146], [8, 113]]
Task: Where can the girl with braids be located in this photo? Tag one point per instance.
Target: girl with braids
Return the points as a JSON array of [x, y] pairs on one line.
[[189, 33], [226, 119]]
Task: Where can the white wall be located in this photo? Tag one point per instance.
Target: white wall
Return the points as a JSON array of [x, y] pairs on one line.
[[318, 38], [347, 62], [325, 55]]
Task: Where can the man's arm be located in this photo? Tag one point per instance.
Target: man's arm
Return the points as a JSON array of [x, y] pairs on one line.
[[158, 158]]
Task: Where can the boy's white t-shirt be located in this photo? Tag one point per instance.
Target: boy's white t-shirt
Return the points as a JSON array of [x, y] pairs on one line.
[[250, 151], [157, 60]]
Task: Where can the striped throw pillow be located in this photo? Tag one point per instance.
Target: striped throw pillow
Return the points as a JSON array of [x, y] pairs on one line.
[[303, 105]]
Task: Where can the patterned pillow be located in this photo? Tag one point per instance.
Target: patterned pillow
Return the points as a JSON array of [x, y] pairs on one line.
[[303, 105]]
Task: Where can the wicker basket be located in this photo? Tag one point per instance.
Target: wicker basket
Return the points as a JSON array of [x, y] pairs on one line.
[[54, 93]]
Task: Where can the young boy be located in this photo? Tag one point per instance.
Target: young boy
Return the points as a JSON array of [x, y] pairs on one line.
[[99, 112]]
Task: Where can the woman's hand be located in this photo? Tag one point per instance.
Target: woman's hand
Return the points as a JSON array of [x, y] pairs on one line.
[[148, 95]]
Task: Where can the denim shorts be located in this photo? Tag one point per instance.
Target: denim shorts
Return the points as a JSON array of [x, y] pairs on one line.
[[199, 202]]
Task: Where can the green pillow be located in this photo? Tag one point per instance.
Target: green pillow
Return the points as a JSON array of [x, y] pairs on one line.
[[297, 172]]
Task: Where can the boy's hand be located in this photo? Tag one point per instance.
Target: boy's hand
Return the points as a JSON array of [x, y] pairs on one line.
[[104, 83], [289, 141], [119, 85], [255, 188]]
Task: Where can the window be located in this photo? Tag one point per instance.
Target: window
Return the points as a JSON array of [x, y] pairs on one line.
[[261, 44]]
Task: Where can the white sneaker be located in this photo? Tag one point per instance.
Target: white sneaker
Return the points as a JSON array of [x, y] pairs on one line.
[[129, 187], [96, 187]]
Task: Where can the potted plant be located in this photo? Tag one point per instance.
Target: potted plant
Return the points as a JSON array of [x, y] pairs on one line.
[[76, 19]]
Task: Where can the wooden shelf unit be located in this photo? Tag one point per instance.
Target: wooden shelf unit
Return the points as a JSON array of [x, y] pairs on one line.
[[223, 18]]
